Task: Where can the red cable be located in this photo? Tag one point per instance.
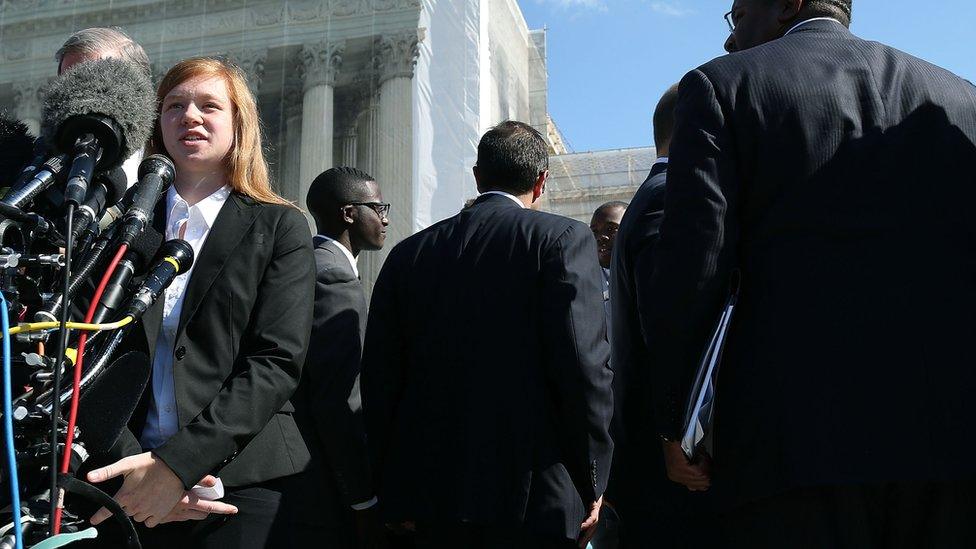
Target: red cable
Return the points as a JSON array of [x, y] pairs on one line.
[[76, 384]]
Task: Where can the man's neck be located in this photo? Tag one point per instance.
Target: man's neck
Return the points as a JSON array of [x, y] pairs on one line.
[[525, 199], [342, 238]]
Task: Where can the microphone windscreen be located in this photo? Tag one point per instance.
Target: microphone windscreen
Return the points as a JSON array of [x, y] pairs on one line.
[[16, 148], [110, 87], [107, 405], [144, 248], [116, 183]]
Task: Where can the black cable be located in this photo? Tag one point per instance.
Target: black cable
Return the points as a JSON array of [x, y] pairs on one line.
[[62, 347]]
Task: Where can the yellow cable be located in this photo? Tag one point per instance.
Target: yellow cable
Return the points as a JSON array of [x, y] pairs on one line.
[[40, 326]]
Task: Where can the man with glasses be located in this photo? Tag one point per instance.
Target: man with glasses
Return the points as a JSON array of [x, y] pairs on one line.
[[334, 499], [835, 174]]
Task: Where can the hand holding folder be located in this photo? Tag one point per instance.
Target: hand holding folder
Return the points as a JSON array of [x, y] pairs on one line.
[[696, 434]]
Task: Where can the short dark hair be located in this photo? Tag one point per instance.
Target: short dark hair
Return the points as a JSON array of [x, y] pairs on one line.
[[336, 187], [664, 117], [612, 205], [838, 9], [511, 156]]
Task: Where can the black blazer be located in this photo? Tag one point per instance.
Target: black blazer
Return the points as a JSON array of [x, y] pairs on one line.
[[485, 382], [239, 348], [637, 459], [837, 174], [328, 405]]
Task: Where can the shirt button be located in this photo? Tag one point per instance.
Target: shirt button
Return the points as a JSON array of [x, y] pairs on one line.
[[168, 409], [180, 353]]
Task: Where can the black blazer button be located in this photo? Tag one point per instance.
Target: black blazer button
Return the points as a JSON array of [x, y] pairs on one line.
[[180, 352]]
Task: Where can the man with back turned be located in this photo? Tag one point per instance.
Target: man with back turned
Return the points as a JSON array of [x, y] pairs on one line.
[[485, 381], [835, 174]]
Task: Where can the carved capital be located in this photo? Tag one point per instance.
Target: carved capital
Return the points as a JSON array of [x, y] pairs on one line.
[[396, 54], [251, 62], [292, 98], [320, 63], [28, 98]]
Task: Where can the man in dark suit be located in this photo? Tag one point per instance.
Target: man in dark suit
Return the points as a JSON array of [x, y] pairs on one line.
[[485, 383], [836, 175], [337, 491], [651, 507]]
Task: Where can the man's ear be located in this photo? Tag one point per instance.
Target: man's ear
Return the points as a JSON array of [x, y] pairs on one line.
[[790, 9], [349, 214], [477, 178], [540, 185]]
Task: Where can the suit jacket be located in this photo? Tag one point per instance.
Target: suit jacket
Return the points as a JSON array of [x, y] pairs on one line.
[[239, 348], [328, 404], [485, 383], [836, 173]]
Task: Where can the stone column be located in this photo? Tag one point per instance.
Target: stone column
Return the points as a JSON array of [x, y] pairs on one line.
[[367, 135], [345, 123], [28, 103], [320, 64], [395, 58], [292, 108]]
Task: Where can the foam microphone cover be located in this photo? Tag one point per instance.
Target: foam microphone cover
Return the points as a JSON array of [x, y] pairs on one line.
[[112, 88], [116, 182], [16, 148], [144, 249], [107, 405]]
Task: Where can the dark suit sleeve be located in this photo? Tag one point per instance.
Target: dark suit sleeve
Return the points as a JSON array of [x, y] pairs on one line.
[[383, 365], [270, 361], [696, 250], [576, 354], [332, 374]]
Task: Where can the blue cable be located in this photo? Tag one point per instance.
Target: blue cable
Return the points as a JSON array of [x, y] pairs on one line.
[[8, 425]]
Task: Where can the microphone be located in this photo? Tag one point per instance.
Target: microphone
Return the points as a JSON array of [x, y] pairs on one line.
[[35, 179], [156, 174], [79, 275], [16, 148], [133, 263], [176, 258], [99, 112], [109, 188], [105, 408]]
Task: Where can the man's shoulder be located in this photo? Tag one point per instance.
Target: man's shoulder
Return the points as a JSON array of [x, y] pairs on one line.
[[331, 266]]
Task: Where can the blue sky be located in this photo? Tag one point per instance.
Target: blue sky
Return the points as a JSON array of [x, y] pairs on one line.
[[610, 60]]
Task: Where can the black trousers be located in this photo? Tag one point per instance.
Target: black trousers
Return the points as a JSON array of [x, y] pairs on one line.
[[874, 516], [468, 536]]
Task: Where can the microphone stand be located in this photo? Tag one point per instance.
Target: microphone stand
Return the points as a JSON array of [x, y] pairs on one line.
[[55, 493]]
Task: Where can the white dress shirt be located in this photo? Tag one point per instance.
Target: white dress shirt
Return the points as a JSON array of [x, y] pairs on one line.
[[512, 197], [131, 167], [345, 252], [801, 23], [193, 224]]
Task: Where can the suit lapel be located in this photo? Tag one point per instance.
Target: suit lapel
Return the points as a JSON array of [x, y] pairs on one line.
[[232, 223]]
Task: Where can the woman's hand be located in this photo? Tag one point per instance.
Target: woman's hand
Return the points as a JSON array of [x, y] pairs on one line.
[[149, 492], [191, 507]]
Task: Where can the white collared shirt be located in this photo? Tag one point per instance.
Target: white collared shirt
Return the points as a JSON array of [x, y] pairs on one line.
[[162, 421], [345, 252], [812, 19], [661, 160], [510, 196], [131, 167]]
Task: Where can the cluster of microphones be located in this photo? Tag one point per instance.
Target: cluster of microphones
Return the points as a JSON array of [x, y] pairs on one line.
[[80, 263]]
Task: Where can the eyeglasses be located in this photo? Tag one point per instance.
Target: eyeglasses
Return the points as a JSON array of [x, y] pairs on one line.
[[730, 21], [382, 209]]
